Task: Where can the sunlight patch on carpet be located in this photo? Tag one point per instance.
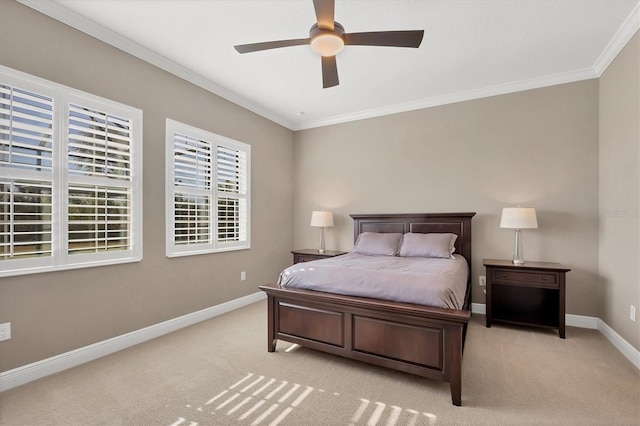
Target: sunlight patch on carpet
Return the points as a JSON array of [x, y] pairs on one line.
[[292, 347], [396, 415], [253, 398], [258, 400]]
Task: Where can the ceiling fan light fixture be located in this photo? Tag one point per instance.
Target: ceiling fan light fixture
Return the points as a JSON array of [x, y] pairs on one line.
[[327, 38], [327, 44]]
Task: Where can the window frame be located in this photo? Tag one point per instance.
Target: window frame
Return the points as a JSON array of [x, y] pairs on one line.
[[60, 258], [213, 140]]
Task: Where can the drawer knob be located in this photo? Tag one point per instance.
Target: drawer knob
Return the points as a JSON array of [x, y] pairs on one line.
[[504, 275], [544, 278]]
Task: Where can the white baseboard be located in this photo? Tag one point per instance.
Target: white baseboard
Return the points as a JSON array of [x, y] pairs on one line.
[[27, 373], [631, 353], [580, 321], [479, 308]]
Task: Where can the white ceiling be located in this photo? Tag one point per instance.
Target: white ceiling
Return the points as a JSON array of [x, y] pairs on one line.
[[471, 49]]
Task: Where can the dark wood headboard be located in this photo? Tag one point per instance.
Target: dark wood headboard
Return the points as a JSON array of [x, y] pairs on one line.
[[455, 223]]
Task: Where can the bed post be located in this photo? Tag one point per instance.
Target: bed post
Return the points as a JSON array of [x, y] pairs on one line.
[[271, 332], [454, 347]]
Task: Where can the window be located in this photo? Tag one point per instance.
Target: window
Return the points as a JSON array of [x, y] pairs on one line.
[[70, 178], [208, 191]]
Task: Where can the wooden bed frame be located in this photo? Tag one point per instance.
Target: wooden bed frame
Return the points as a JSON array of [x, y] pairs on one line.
[[417, 339]]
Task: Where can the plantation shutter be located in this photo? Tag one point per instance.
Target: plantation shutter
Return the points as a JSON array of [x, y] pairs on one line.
[[70, 178], [26, 178], [100, 181], [192, 196], [232, 193], [208, 188]]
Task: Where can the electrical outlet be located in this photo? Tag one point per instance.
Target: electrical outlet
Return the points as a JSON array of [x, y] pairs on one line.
[[482, 281], [5, 331], [632, 313], [243, 276]]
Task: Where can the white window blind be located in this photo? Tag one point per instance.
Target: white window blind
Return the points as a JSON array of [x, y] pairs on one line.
[[99, 196], [232, 192], [192, 198], [99, 219], [207, 191], [26, 129], [25, 217], [99, 144], [70, 177], [26, 182]]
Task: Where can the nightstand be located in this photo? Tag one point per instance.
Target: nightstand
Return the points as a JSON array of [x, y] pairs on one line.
[[306, 255], [531, 294]]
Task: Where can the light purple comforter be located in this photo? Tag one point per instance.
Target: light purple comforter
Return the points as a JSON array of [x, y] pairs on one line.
[[423, 281]]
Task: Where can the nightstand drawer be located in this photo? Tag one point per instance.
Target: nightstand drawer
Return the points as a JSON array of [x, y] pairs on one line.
[[307, 255], [299, 258], [539, 279]]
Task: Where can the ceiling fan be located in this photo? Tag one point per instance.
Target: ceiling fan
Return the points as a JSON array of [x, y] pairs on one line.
[[327, 38]]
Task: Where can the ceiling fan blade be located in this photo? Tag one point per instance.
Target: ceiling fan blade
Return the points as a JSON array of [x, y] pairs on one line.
[[411, 38], [325, 13], [265, 45], [329, 72]]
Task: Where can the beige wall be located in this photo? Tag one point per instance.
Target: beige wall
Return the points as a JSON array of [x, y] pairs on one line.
[[52, 313], [538, 148], [619, 256]]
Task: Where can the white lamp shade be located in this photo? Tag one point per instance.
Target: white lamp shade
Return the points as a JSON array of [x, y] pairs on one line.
[[322, 219], [519, 218]]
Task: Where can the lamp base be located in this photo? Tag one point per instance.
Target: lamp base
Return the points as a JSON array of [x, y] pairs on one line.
[[518, 258], [321, 249]]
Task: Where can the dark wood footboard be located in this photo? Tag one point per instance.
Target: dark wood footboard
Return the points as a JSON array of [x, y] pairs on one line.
[[416, 339]]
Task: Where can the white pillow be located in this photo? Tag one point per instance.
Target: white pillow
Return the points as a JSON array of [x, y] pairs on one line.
[[380, 244], [428, 245]]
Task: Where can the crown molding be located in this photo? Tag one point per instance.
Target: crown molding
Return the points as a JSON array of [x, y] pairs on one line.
[[619, 40], [467, 95], [79, 22], [66, 16]]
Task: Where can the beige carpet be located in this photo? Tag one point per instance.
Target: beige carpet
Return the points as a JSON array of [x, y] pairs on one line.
[[219, 373]]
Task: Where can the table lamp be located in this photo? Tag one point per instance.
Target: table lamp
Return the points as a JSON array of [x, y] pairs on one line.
[[518, 218], [321, 219]]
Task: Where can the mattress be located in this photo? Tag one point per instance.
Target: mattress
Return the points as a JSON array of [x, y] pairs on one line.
[[423, 281]]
